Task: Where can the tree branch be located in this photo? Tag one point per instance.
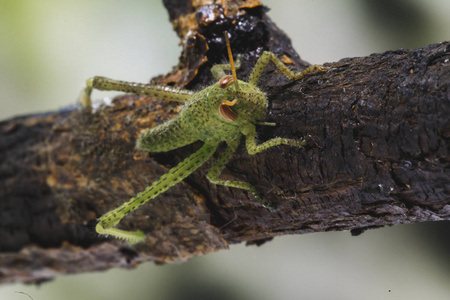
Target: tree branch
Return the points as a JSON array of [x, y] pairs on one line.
[[378, 141]]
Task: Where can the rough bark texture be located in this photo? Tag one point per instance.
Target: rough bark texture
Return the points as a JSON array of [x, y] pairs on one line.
[[378, 137]]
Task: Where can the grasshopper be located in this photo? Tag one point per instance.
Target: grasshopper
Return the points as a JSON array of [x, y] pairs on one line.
[[223, 112]]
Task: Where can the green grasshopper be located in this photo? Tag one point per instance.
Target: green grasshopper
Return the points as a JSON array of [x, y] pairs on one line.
[[222, 112]]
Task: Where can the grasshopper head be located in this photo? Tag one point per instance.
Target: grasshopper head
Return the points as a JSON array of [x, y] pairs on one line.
[[241, 101]]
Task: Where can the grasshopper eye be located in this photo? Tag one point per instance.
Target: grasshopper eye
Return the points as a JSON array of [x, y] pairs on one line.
[[225, 81], [226, 112]]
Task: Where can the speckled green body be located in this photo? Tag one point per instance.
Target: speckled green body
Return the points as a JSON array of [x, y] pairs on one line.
[[223, 112], [200, 119]]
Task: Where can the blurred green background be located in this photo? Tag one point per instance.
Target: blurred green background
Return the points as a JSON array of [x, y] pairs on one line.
[[49, 48]]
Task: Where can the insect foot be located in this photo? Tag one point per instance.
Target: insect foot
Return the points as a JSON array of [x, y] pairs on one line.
[[223, 112], [109, 220]]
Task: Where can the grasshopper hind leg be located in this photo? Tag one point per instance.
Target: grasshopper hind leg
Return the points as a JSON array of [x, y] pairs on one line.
[[165, 137], [108, 221]]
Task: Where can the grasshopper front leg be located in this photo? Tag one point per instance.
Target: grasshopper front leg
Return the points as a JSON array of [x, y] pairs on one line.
[[108, 221], [266, 57], [253, 148], [218, 166], [218, 71]]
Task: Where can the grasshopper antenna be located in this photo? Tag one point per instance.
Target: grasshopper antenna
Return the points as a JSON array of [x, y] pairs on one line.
[[230, 56]]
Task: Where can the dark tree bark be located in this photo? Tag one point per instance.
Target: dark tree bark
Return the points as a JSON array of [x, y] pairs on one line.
[[378, 137]]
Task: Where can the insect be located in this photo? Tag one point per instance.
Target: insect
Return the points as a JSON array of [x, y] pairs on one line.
[[223, 112]]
